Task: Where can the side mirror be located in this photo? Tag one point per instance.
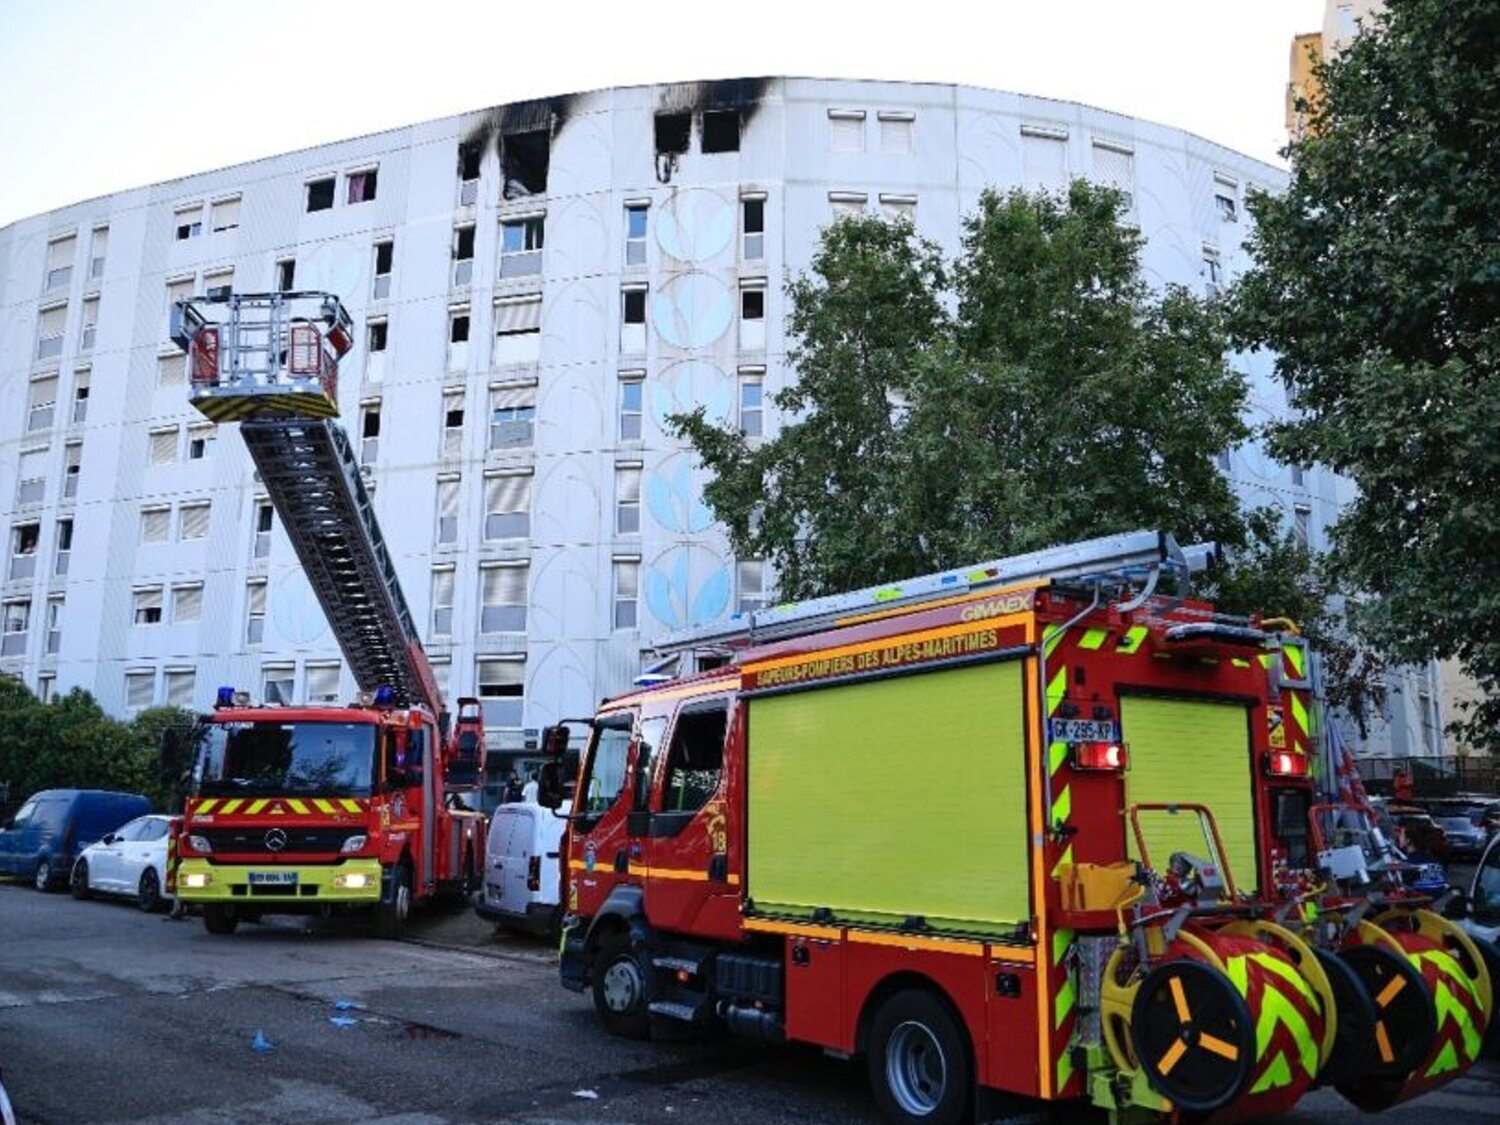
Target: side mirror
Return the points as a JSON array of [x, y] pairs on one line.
[[107, 838], [555, 740], [549, 786]]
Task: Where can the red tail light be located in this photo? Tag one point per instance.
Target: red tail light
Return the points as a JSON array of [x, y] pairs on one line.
[[1284, 763], [1100, 756], [534, 873]]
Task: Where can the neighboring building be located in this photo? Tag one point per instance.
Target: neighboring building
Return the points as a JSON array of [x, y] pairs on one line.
[[537, 287], [1342, 20]]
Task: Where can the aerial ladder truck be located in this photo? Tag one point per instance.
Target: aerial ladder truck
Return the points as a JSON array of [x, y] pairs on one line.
[[308, 809]]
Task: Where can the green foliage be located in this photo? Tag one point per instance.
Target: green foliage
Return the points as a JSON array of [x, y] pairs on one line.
[[1378, 285], [71, 743], [1032, 392]]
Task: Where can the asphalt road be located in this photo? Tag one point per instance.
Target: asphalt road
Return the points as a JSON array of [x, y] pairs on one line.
[[110, 1015]]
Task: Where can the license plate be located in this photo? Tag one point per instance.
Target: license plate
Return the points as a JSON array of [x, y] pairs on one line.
[[1084, 730], [273, 878]]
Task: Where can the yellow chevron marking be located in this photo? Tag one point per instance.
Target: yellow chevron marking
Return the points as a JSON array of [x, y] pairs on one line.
[[206, 806], [1062, 805], [257, 806], [1057, 687], [1299, 711], [1276, 1008], [1067, 858], [350, 806], [1447, 1060], [1448, 1007], [1277, 1075], [1294, 658], [322, 805], [1064, 1068], [1291, 976], [231, 805], [1051, 637], [1062, 1003], [298, 807], [1093, 639], [277, 810], [1130, 643], [1238, 663], [1057, 756], [1061, 939]]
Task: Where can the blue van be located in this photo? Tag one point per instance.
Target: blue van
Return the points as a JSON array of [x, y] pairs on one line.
[[45, 836]]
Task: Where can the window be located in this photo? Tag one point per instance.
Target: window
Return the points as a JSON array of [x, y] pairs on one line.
[[752, 403], [633, 320], [189, 222], [163, 445], [98, 251], [218, 285], [369, 432], [627, 592], [385, 259], [17, 622], [278, 683], [1227, 208], [323, 682], [180, 684], [442, 673], [360, 186], [156, 524], [264, 518], [674, 133], [1429, 722], [41, 403], [140, 689], [171, 370], [753, 316], [31, 477], [753, 228], [695, 760], [470, 157], [1114, 167], [376, 336], [721, 130], [503, 598], [1213, 272], [255, 612], [442, 600], [1044, 157], [631, 391], [46, 687], [627, 500], [194, 521], [850, 203], [49, 331], [894, 207], [897, 131], [463, 255], [187, 602], [501, 684], [453, 423], [90, 324], [458, 338], [286, 275], [72, 468], [60, 262], [518, 329], [606, 777], [1346, 23], [447, 509], [636, 215], [225, 214], [148, 606], [320, 194], [178, 290], [512, 417], [524, 158], [1299, 476], [846, 131], [54, 625], [749, 584], [24, 540], [64, 547], [1302, 524], [507, 505], [202, 439], [521, 242]]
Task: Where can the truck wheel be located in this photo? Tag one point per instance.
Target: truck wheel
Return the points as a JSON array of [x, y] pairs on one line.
[[148, 893], [619, 980], [918, 1061], [395, 904], [43, 881], [219, 919], [79, 883]]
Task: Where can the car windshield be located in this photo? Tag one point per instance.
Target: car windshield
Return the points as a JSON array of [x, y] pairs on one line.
[[330, 758], [1456, 824]]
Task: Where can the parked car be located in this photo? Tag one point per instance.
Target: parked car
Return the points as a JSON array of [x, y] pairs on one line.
[[1478, 912], [1417, 834], [521, 873], [53, 826], [1465, 838], [1430, 877], [129, 861]]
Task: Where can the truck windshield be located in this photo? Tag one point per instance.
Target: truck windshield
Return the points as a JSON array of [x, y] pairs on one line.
[[332, 759]]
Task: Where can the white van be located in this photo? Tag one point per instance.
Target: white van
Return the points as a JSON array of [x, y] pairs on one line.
[[521, 885]]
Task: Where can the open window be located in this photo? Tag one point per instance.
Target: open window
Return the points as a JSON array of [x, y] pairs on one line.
[[524, 159]]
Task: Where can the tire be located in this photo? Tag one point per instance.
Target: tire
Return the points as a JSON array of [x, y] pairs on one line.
[[619, 986], [395, 904], [148, 892], [219, 919], [78, 882], [919, 1061], [43, 878]]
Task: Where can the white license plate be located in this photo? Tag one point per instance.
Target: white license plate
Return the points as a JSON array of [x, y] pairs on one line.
[[1084, 730], [273, 878]]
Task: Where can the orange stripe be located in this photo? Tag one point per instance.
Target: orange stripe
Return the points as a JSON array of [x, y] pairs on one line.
[[1390, 991], [1169, 1060], [929, 945], [1035, 703], [722, 685], [1384, 1042], [1012, 954], [1219, 1047], [792, 929]]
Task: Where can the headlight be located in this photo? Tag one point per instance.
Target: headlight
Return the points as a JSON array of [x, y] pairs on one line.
[[353, 881], [200, 844], [354, 844], [195, 880]]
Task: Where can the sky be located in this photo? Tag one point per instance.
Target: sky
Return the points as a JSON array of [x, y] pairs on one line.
[[101, 95]]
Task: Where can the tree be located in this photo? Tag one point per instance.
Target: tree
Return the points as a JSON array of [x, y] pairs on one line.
[[1377, 283], [1032, 392]]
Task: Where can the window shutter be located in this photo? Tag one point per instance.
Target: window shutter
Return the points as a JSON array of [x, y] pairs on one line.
[[194, 521], [518, 314], [91, 312], [322, 682], [163, 446], [33, 464], [148, 599], [53, 321], [627, 579], [188, 603], [502, 673], [139, 687], [101, 242], [154, 524], [226, 214], [509, 398], [180, 688], [44, 391], [505, 585], [448, 497], [1114, 168], [257, 597], [507, 492], [60, 253], [179, 290], [442, 587], [628, 485]]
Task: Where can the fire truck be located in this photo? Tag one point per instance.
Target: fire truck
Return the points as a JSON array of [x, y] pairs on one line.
[[1041, 828], [311, 809]]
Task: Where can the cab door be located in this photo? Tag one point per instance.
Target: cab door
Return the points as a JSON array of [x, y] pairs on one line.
[[599, 846]]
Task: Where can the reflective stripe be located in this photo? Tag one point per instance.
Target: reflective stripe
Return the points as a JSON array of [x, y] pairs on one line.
[[257, 806], [231, 805], [1062, 805], [298, 807], [351, 806], [206, 806], [1057, 687], [1299, 712], [1294, 658], [1130, 643], [323, 806], [1093, 638], [1067, 858]]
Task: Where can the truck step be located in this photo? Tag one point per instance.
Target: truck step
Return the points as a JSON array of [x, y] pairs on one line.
[[678, 964], [684, 1013]]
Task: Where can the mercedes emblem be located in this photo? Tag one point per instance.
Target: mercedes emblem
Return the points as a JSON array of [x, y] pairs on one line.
[[275, 840]]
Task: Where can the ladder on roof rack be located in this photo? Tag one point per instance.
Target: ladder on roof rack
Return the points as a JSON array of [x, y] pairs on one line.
[[1133, 560]]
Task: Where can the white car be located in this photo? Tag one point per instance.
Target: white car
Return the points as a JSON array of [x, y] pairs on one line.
[[131, 860], [521, 867]]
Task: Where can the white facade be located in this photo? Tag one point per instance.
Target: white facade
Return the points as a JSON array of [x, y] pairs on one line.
[[529, 341]]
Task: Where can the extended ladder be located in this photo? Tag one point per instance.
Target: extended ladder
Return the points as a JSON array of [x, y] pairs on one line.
[[1133, 561]]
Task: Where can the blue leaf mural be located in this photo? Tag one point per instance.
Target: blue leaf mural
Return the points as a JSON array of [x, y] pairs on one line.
[[696, 225], [692, 311]]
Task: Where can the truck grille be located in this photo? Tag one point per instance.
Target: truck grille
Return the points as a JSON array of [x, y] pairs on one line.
[[299, 841]]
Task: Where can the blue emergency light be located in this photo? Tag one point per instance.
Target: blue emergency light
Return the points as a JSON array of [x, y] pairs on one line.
[[385, 696], [225, 697]]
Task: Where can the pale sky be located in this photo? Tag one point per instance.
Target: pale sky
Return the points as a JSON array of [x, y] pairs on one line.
[[101, 95]]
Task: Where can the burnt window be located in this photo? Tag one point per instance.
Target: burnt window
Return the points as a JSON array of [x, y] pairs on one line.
[[286, 274], [721, 130], [469, 158], [673, 132], [524, 158], [458, 328], [463, 243], [320, 194], [385, 254], [635, 306], [377, 336]]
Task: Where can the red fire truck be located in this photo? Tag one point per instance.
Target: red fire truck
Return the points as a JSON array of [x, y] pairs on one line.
[[305, 809], [1041, 827]]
